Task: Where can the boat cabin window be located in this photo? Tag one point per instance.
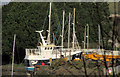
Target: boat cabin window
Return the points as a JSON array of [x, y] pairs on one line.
[[48, 48], [30, 52], [45, 48], [33, 52]]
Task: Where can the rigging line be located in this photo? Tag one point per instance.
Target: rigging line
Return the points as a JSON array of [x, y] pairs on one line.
[[76, 41], [75, 37], [57, 29], [45, 20], [58, 40], [66, 27], [67, 24], [38, 40], [65, 32]]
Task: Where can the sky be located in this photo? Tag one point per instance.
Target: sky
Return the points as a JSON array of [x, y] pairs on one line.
[[4, 2]]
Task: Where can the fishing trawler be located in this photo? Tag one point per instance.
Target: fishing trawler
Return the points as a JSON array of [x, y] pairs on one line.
[[46, 50]]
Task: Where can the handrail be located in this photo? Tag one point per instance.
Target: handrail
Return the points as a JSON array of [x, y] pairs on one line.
[[32, 52]]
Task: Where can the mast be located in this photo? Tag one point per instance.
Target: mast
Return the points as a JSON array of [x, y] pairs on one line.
[[13, 55], [73, 30], [99, 35], [114, 28], [63, 29], [85, 38], [49, 24], [69, 37]]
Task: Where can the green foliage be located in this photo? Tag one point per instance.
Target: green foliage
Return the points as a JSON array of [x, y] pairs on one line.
[[111, 6], [77, 64], [56, 63], [22, 19], [91, 64], [60, 62]]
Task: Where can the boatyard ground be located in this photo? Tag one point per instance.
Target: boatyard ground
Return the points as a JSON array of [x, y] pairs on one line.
[[74, 68]]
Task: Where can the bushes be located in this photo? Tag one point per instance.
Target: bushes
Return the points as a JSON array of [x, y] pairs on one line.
[[77, 64], [56, 63], [91, 64]]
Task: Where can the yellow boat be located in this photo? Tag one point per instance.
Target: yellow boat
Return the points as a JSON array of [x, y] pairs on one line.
[[95, 56]]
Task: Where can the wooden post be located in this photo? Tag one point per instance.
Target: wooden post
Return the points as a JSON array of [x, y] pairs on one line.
[[56, 54], [63, 29], [13, 55], [69, 38], [85, 38], [73, 30]]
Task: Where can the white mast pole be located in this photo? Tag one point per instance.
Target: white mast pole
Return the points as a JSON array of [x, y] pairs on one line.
[[73, 31], [85, 38], [13, 55], [99, 35], [63, 29], [49, 23], [69, 37]]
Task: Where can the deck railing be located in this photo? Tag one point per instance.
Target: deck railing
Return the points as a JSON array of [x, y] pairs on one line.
[[32, 52]]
